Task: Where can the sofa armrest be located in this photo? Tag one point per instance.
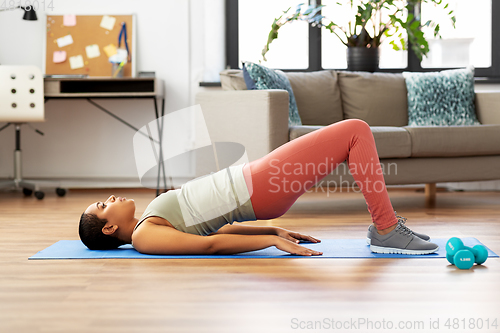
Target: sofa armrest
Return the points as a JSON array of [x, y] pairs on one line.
[[257, 119], [488, 107]]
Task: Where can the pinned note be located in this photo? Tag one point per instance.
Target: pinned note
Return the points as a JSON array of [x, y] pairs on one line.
[[110, 50], [64, 41], [76, 62], [59, 56], [108, 22], [69, 20], [92, 51], [120, 56]]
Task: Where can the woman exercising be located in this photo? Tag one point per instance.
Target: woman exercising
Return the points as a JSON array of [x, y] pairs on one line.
[[198, 218]]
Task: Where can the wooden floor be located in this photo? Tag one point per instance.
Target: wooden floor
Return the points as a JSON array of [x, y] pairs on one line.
[[250, 295]]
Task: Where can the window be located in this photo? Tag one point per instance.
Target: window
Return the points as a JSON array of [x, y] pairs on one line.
[[476, 39], [290, 50], [333, 52], [468, 43]]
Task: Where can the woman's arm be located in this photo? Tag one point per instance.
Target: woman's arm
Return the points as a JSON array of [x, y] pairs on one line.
[[255, 230], [246, 230], [157, 239]]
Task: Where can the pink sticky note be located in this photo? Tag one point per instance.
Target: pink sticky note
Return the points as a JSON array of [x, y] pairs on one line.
[[69, 20], [59, 56]]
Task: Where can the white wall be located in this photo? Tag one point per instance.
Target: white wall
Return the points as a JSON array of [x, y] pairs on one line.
[[82, 142]]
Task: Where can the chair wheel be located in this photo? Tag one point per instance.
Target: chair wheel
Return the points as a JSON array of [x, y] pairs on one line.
[[60, 192], [39, 195], [27, 192]]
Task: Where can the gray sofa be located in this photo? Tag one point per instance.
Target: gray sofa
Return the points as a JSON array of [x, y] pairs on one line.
[[258, 119]]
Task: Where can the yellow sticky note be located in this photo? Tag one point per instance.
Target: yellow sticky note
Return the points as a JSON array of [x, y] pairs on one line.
[[76, 62], [110, 50]]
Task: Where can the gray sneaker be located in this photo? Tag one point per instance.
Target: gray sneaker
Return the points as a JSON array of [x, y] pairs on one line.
[[401, 241], [372, 229]]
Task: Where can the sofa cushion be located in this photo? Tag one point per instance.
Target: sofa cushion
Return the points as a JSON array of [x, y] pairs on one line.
[[391, 142], [297, 131], [441, 98], [447, 141], [377, 98], [232, 79], [318, 96], [266, 78]]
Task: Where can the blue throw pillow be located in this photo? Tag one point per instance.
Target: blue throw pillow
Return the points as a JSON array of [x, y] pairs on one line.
[[441, 98], [265, 78], [248, 80]]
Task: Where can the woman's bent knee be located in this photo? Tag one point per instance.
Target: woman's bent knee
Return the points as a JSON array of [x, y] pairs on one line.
[[358, 127], [358, 124]]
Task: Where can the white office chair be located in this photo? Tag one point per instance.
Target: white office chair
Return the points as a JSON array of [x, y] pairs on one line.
[[21, 101]]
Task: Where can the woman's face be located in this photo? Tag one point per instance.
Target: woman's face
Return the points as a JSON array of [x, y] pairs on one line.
[[115, 209]]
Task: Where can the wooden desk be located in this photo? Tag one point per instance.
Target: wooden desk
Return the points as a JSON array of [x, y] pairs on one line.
[[106, 87]]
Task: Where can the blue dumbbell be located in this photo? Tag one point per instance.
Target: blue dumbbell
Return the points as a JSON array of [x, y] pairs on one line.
[[480, 253], [453, 245], [449, 257], [463, 256], [464, 259]]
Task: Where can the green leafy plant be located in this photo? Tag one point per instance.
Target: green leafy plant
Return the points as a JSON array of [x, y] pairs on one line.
[[367, 28]]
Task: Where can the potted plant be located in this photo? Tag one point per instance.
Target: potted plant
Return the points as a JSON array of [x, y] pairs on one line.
[[367, 28]]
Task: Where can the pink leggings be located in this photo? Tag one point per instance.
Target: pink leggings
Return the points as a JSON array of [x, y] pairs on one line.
[[282, 176]]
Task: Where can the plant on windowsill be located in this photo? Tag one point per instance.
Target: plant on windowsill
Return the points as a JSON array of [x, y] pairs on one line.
[[366, 29]]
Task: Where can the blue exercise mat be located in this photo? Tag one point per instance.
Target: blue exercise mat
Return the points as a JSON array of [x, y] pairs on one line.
[[331, 248]]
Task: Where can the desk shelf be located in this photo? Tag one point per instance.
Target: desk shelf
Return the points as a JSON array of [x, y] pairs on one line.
[[103, 87]]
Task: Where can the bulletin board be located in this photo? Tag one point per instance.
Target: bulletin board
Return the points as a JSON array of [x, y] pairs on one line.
[[86, 32]]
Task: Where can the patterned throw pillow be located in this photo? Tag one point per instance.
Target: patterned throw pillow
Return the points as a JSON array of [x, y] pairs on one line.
[[265, 78], [441, 98], [248, 80]]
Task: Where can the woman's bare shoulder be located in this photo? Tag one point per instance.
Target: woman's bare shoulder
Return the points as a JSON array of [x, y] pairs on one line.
[[156, 220], [149, 227], [149, 223]]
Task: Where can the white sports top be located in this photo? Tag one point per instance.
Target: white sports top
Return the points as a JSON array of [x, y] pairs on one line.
[[205, 204]]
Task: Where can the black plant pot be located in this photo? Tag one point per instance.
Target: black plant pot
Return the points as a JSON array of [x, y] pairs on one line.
[[363, 59]]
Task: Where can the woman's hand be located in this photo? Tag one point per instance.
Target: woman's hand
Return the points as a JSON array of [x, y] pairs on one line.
[[295, 237], [293, 248]]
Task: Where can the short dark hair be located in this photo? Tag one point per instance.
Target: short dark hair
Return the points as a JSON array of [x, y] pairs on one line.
[[91, 234]]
